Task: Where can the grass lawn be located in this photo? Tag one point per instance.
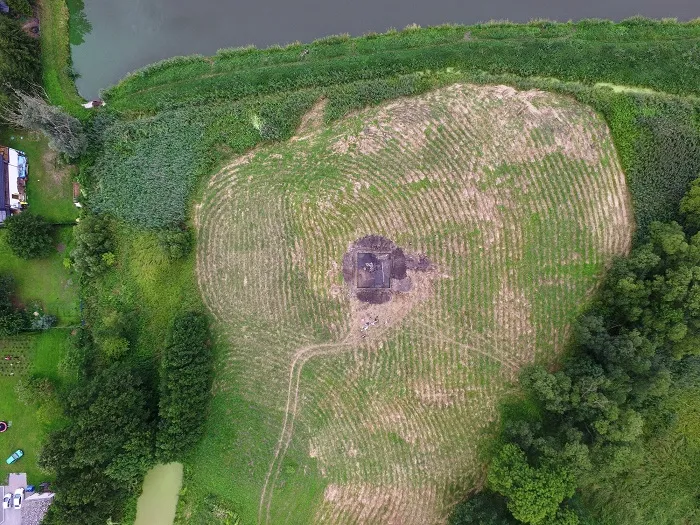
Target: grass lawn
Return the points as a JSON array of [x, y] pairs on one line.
[[37, 354], [49, 189], [46, 282]]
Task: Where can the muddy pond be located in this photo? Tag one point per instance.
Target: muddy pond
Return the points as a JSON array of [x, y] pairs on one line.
[[112, 38], [158, 501]]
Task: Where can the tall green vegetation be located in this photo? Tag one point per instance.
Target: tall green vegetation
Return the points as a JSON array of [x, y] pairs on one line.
[[185, 382], [613, 394], [104, 452], [28, 235], [93, 243], [19, 59], [194, 111]]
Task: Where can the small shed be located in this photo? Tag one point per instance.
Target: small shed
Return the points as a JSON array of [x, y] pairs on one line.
[[4, 8]]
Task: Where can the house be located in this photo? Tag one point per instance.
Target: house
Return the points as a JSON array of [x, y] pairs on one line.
[[13, 181]]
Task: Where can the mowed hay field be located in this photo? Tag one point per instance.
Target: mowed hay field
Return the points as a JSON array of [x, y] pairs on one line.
[[519, 201]]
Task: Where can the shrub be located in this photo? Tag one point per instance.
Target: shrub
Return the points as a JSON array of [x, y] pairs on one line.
[[77, 359], [483, 508], [12, 320], [114, 348], [93, 241], [28, 235], [176, 243], [186, 375]]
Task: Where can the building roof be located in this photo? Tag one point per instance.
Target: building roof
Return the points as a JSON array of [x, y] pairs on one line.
[[373, 270], [13, 174], [4, 189]]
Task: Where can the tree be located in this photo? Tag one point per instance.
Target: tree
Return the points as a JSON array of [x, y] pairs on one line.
[[690, 206], [28, 235], [12, 320], [32, 112], [186, 375], [19, 59], [105, 450], [533, 494], [93, 240], [483, 508]]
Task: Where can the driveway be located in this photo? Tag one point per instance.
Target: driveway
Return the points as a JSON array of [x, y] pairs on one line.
[[12, 516]]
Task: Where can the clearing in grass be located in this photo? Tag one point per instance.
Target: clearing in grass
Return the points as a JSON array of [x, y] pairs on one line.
[[328, 409]]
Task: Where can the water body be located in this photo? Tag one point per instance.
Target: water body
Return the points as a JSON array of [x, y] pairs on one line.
[[158, 501], [128, 34]]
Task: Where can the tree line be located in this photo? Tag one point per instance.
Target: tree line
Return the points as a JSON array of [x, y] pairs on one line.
[[585, 424], [116, 432]]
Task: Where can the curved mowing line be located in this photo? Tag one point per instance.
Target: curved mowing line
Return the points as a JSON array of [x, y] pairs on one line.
[[487, 214], [300, 357]]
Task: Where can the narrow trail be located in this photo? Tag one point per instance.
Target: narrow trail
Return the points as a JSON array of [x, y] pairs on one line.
[[301, 356]]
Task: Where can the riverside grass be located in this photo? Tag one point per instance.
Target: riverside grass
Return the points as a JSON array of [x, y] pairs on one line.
[[182, 117]]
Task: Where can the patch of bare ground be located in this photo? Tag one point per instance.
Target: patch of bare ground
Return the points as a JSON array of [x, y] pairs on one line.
[[405, 122], [512, 196], [365, 503], [311, 121]]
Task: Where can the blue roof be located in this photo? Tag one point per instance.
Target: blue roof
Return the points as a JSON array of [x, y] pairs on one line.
[[4, 8]]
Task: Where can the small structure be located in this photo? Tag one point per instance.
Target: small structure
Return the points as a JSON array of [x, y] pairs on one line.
[[94, 104], [14, 169], [373, 270], [4, 8]]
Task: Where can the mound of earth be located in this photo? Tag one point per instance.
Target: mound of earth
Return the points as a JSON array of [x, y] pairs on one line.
[[351, 393]]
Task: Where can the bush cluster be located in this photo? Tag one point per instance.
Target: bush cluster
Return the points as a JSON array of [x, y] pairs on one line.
[[185, 382], [13, 320], [29, 236], [101, 456]]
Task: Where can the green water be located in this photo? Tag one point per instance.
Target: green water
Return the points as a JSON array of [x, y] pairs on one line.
[[158, 501]]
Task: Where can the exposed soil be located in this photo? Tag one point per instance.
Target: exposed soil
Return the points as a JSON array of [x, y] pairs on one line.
[[312, 120], [400, 281]]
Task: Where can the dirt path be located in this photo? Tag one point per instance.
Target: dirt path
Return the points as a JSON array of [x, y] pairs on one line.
[[301, 356]]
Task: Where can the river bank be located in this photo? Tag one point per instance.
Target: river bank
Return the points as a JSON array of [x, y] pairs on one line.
[[56, 57]]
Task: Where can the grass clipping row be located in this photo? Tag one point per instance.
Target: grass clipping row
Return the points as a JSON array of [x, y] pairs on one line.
[[517, 200]]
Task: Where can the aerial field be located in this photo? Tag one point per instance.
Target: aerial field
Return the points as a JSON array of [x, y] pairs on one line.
[[329, 409]]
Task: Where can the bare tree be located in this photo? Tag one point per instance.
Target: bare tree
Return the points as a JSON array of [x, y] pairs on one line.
[[32, 112]]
